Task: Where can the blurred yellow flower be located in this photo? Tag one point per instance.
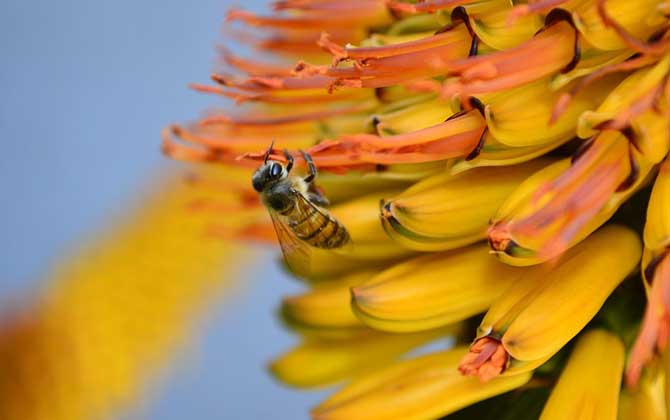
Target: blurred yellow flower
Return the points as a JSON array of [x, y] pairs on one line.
[[116, 311]]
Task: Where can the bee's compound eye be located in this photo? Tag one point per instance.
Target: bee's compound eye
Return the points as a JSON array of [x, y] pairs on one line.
[[275, 170]]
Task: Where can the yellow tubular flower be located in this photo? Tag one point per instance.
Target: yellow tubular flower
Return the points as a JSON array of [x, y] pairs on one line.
[[640, 19], [646, 400], [641, 82], [423, 388], [541, 312], [656, 271], [430, 291], [588, 387], [563, 203], [325, 308], [449, 211], [516, 124], [115, 312], [318, 362]]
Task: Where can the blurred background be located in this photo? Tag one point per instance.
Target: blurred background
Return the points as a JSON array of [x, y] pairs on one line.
[[86, 88]]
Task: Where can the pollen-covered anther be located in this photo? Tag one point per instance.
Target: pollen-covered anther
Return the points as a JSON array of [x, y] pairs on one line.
[[486, 359], [303, 69], [327, 44], [500, 237]]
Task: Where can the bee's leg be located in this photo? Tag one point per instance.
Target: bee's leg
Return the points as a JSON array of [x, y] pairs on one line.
[[310, 164], [289, 159], [316, 197]]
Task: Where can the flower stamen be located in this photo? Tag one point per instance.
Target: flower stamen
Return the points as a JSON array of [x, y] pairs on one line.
[[486, 359], [656, 321]]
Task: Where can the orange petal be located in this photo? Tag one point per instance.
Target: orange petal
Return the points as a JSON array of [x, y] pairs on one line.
[[655, 324], [486, 359]]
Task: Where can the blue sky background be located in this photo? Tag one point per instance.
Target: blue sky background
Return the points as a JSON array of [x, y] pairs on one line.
[[86, 87]]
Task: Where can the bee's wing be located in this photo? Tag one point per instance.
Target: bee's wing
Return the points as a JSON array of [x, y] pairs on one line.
[[297, 253]]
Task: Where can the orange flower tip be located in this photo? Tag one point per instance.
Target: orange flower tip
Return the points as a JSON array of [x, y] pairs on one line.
[[323, 146], [203, 88], [237, 14], [485, 70], [176, 130], [282, 5], [220, 79], [450, 90], [655, 330], [303, 69], [360, 297], [352, 83], [486, 359], [338, 52], [248, 156], [500, 238], [399, 6], [214, 120], [559, 107]]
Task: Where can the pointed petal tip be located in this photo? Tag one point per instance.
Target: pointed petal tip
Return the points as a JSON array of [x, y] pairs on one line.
[[361, 296]]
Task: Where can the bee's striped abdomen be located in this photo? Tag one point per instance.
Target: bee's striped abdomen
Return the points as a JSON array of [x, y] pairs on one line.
[[316, 227]]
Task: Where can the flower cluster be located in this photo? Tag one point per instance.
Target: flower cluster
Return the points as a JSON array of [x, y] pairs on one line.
[[530, 125]]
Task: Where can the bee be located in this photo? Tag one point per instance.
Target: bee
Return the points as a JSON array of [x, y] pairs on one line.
[[297, 209]]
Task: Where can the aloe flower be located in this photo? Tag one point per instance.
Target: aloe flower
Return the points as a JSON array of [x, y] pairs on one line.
[[117, 311], [487, 157]]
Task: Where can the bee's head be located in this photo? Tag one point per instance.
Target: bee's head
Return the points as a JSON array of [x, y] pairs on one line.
[[268, 173]]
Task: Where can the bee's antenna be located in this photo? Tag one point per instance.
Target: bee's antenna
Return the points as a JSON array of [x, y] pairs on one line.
[[267, 153]]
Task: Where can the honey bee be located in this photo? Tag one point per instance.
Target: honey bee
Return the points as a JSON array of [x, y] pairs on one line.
[[298, 211]]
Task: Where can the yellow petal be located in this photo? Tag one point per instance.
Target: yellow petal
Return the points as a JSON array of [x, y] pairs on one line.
[[646, 400], [495, 30], [652, 134], [322, 362], [572, 293], [553, 210], [422, 112], [551, 303], [657, 226], [515, 123], [495, 153], [621, 97], [635, 17], [327, 305], [591, 60], [448, 211], [434, 290], [423, 388], [588, 387]]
